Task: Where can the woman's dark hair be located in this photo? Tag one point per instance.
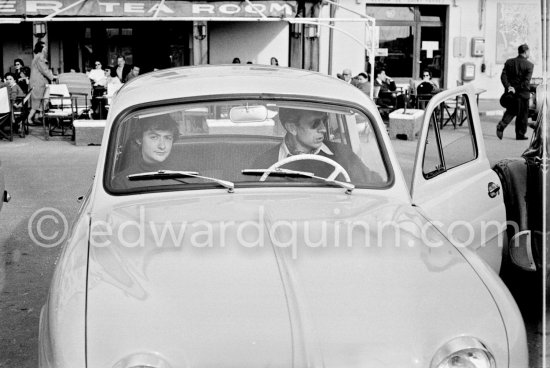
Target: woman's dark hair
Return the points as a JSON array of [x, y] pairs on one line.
[[378, 70], [8, 74], [427, 71], [38, 47], [159, 122], [26, 70], [19, 61], [364, 75], [236, 61]]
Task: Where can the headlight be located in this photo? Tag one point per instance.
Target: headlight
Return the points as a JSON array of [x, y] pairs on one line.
[[463, 352], [142, 360]]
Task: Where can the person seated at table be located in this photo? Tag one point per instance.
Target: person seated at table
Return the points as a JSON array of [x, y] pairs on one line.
[[387, 90], [424, 89], [150, 148], [427, 85], [98, 79], [306, 131], [362, 82], [15, 92]]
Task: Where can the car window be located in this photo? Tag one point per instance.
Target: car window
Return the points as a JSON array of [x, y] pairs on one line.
[[221, 139], [451, 141]]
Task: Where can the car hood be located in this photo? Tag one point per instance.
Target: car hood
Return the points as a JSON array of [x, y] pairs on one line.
[[241, 281]]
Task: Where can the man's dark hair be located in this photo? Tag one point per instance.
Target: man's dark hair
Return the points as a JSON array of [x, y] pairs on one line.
[[522, 49], [427, 71], [19, 61], [364, 75], [293, 116], [38, 47], [377, 71], [157, 122], [121, 57]]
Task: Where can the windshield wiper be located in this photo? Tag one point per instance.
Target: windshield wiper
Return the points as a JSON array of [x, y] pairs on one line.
[[349, 187], [171, 174]]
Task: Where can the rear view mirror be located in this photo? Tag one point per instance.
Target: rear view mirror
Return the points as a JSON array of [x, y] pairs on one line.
[[248, 114]]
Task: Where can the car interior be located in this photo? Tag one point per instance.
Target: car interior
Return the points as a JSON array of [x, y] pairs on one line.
[[221, 139]]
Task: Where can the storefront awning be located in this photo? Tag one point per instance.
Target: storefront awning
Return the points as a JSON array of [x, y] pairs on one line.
[[147, 9]]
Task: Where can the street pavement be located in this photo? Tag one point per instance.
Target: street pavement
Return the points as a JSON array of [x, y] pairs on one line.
[[41, 174]]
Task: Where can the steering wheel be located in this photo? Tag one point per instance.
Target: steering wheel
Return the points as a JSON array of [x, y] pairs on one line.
[[338, 169]]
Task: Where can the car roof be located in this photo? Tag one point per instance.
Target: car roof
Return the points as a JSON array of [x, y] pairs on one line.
[[188, 82]]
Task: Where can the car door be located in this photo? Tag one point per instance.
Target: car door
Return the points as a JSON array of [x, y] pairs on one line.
[[453, 183]]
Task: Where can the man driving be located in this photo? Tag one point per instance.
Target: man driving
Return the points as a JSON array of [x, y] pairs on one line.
[[305, 134]]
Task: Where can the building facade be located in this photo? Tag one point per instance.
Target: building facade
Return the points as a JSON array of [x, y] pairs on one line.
[[457, 40]]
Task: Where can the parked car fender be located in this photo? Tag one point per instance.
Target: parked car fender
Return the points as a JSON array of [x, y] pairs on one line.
[[509, 312], [515, 175]]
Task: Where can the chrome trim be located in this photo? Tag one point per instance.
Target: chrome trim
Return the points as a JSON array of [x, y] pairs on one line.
[[459, 344], [152, 360]]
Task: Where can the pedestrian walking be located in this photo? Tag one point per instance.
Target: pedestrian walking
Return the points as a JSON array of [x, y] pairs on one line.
[[40, 76], [515, 78]]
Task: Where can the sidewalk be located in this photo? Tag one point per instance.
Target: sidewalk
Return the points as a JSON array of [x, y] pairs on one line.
[[490, 107]]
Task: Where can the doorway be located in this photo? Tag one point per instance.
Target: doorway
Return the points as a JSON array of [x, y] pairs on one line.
[[412, 38]]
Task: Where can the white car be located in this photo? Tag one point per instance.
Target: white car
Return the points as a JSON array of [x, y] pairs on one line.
[[238, 219]]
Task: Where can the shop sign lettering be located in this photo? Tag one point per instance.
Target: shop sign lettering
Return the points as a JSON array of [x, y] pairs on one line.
[[146, 8], [419, 2]]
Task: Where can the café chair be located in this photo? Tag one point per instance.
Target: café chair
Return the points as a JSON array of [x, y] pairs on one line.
[[80, 92], [6, 115], [455, 109], [21, 113], [58, 111]]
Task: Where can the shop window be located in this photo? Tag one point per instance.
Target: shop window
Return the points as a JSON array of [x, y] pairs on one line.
[[391, 13], [432, 13], [400, 43], [112, 32]]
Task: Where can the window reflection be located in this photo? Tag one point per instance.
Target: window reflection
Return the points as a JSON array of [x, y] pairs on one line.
[[400, 43]]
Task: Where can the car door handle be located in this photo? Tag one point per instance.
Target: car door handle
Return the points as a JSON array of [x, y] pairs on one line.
[[493, 189]]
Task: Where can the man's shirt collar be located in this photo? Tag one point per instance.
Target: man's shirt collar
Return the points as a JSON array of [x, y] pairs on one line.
[[284, 152]]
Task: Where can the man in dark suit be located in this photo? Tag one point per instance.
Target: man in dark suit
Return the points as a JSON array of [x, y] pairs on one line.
[[515, 78], [306, 133], [122, 69]]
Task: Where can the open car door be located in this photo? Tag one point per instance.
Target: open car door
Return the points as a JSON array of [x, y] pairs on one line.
[[453, 183]]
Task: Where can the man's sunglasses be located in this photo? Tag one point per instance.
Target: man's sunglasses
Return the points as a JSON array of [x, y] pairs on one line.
[[318, 123]]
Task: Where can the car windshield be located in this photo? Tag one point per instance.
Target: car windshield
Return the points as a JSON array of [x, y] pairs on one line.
[[246, 143]]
